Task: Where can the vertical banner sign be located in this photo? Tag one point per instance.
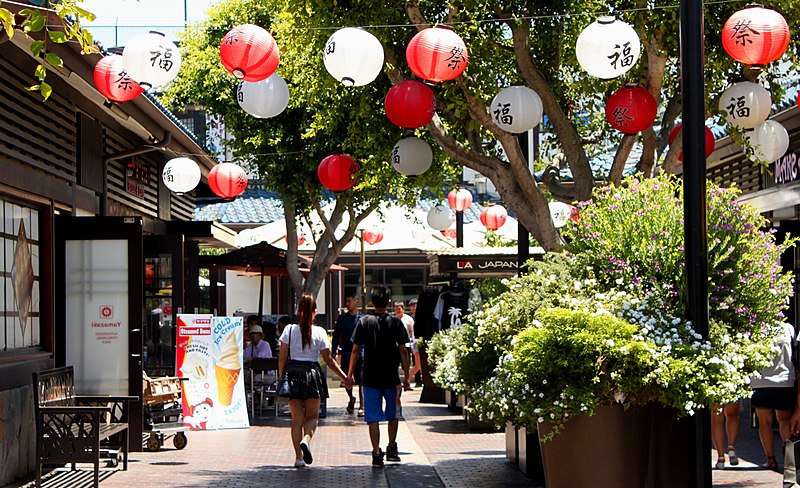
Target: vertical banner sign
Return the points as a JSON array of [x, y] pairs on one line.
[[209, 354]]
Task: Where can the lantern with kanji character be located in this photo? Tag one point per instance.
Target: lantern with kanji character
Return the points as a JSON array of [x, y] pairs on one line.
[[709, 140], [353, 56], [437, 54], [181, 175], [412, 156], [440, 218], [755, 36], [494, 216], [338, 172], [249, 53], [459, 199], [608, 48], [517, 109], [631, 109], [769, 140], [745, 104], [410, 104], [113, 81], [373, 235], [560, 213], [151, 59], [227, 180], [263, 99]]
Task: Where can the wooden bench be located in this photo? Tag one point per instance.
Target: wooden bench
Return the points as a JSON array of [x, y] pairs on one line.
[[69, 427]]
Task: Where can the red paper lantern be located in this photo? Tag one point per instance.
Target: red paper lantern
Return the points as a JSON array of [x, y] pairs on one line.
[[574, 214], [494, 216], [373, 235], [227, 180], [437, 54], [410, 104], [709, 140], [249, 53], [755, 36], [338, 172], [301, 239], [450, 233], [459, 199], [631, 109], [113, 81]]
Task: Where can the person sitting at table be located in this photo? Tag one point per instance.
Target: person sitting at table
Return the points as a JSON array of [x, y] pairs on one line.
[[271, 337], [257, 347]]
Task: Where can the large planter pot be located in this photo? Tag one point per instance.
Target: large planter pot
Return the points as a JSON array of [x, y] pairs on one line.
[[640, 447], [430, 392], [512, 443]]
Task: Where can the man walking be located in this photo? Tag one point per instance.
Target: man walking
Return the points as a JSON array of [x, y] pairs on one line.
[[343, 342], [383, 338]]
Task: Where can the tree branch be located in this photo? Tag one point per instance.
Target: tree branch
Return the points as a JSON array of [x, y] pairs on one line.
[[620, 158]]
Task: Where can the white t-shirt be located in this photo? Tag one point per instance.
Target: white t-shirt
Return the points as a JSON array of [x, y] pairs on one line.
[[319, 342], [780, 374], [409, 323]]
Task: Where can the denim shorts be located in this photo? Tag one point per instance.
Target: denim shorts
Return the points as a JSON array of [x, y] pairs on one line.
[[374, 411]]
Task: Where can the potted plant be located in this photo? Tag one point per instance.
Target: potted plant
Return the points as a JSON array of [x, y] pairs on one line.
[[595, 338]]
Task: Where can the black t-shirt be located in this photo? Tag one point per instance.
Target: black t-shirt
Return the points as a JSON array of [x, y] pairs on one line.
[[380, 337]]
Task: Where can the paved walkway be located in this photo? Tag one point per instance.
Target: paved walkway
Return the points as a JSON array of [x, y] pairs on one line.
[[436, 447]]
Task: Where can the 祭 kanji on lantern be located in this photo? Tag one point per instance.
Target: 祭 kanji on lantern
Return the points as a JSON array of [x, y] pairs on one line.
[[745, 104], [113, 81], [227, 180], [151, 59], [494, 216], [440, 218], [755, 36], [437, 54], [353, 56], [709, 140], [608, 48], [181, 175], [631, 109], [263, 99], [412, 156], [459, 199], [517, 109], [410, 104], [373, 235], [338, 172], [249, 53], [769, 140]]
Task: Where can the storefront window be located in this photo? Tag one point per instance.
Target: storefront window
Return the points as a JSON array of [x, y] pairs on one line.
[[20, 272], [159, 334], [403, 283]]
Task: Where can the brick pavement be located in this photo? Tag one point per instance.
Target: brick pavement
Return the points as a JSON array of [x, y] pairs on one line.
[[437, 450]]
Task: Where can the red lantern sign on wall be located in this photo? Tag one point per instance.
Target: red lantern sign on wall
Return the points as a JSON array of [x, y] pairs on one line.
[[437, 54], [113, 81], [459, 199], [410, 104], [373, 235], [227, 180], [631, 109], [709, 140], [338, 172], [494, 216], [755, 36], [249, 53]]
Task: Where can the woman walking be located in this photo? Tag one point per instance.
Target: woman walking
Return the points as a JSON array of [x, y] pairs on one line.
[[301, 345]]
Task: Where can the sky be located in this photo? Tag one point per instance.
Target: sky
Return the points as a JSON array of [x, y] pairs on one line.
[[119, 20]]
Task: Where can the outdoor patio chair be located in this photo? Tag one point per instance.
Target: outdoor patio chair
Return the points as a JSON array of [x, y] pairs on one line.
[[263, 382]]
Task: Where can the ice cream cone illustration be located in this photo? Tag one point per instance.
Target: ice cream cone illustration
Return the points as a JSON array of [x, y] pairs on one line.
[[227, 369]]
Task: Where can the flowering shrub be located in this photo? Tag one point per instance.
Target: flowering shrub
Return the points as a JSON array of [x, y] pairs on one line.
[[604, 323]]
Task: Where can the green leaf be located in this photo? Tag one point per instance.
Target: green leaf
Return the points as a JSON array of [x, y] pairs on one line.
[[37, 23], [36, 47], [57, 36], [85, 14], [34, 88], [41, 72], [8, 22], [46, 90], [54, 60]]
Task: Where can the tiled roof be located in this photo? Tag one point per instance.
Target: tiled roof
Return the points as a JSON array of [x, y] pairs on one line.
[[254, 206], [174, 119]]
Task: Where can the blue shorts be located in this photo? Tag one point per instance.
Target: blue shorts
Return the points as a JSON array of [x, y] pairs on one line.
[[373, 408]]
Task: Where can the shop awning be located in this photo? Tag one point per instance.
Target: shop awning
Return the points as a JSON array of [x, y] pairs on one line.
[[478, 262]]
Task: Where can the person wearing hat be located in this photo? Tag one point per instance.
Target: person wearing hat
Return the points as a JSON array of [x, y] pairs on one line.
[[257, 347]]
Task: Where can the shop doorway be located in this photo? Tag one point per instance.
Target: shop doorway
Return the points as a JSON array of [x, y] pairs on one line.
[[163, 300]]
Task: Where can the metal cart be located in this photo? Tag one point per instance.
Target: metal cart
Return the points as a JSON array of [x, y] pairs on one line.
[[162, 413]]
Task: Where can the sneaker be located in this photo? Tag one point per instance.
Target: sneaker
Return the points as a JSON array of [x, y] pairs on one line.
[[307, 457], [350, 406], [391, 453], [732, 457], [720, 463], [360, 412], [377, 459], [299, 463]]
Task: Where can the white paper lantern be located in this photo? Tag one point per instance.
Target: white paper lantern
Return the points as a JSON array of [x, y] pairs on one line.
[[151, 59], [412, 156], [517, 109], [353, 56], [263, 99], [770, 140], [181, 175], [560, 212], [745, 104], [441, 217], [608, 48]]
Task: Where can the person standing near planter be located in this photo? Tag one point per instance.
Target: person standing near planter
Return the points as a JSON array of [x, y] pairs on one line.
[[383, 338], [343, 342], [776, 390], [725, 420]]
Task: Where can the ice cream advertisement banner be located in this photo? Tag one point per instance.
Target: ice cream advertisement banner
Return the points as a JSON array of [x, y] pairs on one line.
[[209, 354]]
